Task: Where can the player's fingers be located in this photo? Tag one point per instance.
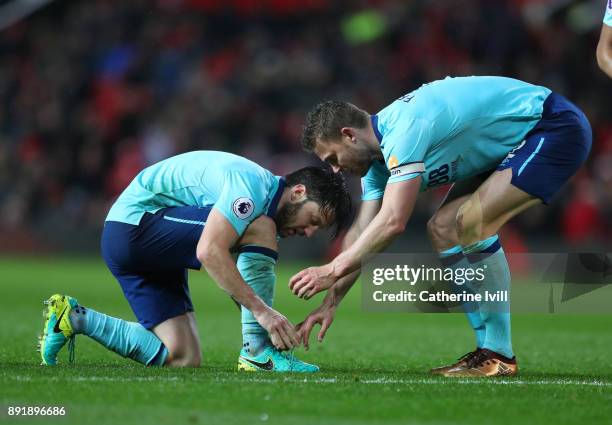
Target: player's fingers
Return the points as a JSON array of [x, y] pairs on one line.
[[306, 281], [287, 332], [289, 338], [296, 278], [300, 334], [295, 337], [275, 340], [306, 329], [304, 289], [284, 341], [297, 286], [292, 281], [314, 291], [305, 342], [324, 327]]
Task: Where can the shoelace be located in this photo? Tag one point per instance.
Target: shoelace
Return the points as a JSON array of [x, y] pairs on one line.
[[71, 342], [467, 356], [290, 356], [478, 359]]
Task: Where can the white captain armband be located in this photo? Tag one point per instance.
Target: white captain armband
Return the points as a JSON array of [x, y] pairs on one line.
[[405, 169]]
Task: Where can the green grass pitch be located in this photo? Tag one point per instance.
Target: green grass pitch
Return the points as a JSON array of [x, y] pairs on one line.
[[374, 366]]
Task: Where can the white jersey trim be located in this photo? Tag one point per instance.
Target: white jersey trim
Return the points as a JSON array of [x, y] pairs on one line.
[[402, 170]]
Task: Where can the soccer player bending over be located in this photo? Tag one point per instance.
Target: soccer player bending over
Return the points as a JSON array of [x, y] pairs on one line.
[[194, 211], [506, 145]]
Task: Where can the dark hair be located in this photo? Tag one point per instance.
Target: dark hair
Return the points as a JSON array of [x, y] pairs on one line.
[[325, 121], [328, 189]]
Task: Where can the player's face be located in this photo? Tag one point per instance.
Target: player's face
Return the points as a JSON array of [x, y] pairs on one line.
[[301, 218], [348, 154]]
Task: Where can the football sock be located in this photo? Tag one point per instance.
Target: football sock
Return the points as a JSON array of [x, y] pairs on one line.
[[489, 255], [454, 258], [256, 265], [128, 339]]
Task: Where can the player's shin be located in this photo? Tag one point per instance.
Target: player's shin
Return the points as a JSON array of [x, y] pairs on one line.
[[128, 339], [488, 256], [454, 258], [256, 265]]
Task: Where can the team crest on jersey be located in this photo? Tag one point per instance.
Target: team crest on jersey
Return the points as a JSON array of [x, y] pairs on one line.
[[243, 208], [393, 162]]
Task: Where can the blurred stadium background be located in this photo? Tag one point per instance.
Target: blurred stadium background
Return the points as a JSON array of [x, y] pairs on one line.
[[93, 91]]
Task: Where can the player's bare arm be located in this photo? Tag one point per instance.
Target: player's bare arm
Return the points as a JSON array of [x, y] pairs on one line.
[[604, 50], [398, 204], [262, 232], [324, 314], [213, 251]]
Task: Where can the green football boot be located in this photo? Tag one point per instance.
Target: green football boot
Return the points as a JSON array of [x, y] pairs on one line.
[[58, 329], [273, 360]]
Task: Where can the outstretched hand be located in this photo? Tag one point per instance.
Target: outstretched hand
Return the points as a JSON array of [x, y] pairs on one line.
[[311, 281], [324, 316]]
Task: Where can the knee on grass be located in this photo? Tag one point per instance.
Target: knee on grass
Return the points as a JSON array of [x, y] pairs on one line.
[[183, 357]]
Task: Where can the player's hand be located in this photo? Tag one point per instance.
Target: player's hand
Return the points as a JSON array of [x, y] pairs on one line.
[[324, 316], [312, 280], [282, 332]]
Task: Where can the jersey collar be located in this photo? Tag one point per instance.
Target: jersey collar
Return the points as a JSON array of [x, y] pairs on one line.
[[274, 202], [374, 119]]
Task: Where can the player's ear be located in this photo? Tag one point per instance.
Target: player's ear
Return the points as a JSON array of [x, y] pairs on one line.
[[348, 134], [298, 193]]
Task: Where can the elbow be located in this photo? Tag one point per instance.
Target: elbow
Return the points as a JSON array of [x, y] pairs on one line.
[[204, 259], [395, 226], [601, 59], [205, 254], [604, 58]]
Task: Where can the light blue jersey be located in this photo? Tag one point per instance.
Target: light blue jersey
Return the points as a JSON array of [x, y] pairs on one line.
[[608, 16], [451, 129], [238, 188]]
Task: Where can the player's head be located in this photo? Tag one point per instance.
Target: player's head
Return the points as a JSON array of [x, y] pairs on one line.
[[338, 133], [314, 198]]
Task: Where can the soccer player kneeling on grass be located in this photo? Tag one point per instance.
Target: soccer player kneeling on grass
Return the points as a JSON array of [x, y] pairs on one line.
[[505, 144], [194, 211]]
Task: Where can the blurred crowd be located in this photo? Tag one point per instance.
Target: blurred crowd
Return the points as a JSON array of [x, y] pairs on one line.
[[93, 91]]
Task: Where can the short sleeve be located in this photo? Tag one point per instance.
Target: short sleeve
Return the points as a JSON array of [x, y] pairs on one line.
[[242, 199], [374, 182], [406, 145], [608, 16]]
